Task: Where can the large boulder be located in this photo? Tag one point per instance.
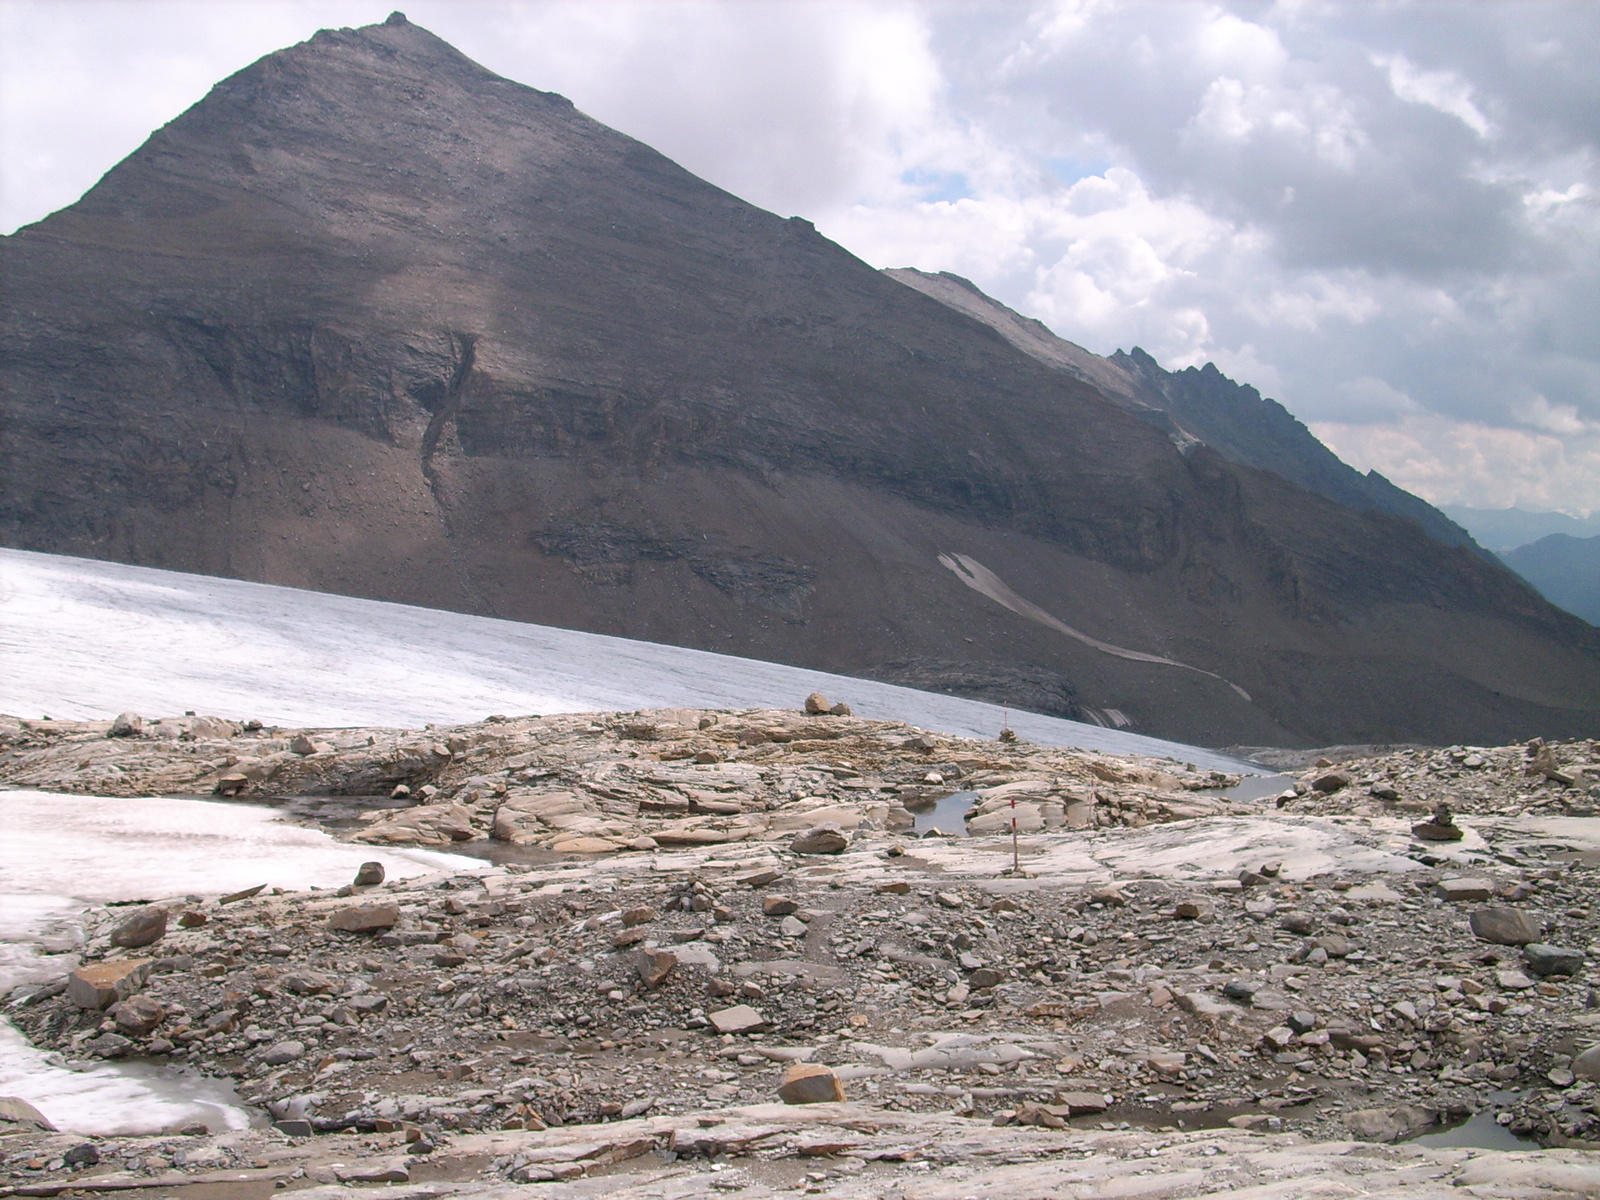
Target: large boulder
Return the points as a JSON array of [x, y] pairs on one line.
[[128, 724], [101, 985], [142, 928]]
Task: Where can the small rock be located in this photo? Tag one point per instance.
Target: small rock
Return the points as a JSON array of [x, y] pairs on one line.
[[1302, 923], [827, 838], [1195, 910], [792, 927], [143, 927], [108, 1045], [280, 1053], [306, 983], [369, 875], [779, 906], [1513, 981], [302, 745], [364, 918], [1302, 1021], [1333, 781], [642, 915], [1083, 1104], [1464, 889], [1280, 1037], [1334, 945], [1545, 960], [1504, 926], [85, 1154], [293, 1127], [810, 1083], [654, 966], [949, 899], [137, 1015], [741, 1018], [986, 977], [192, 920], [760, 878], [840, 710], [1241, 989], [817, 704]]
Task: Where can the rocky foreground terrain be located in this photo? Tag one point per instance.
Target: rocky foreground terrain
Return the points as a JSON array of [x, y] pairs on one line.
[[685, 919]]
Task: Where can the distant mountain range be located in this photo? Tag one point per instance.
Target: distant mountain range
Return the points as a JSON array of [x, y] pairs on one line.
[[1565, 569], [1502, 529], [371, 319]]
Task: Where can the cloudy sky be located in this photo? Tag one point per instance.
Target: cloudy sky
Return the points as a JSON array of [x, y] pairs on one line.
[[1386, 216]]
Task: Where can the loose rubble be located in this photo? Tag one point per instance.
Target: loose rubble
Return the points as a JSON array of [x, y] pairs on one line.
[[658, 972]]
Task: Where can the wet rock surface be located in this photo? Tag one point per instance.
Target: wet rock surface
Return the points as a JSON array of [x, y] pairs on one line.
[[1190, 972]]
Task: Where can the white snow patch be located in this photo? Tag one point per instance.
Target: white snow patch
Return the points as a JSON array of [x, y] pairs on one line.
[[150, 848], [84, 639], [66, 852], [129, 1098]]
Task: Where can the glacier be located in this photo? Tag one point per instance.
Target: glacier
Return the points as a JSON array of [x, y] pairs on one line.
[[84, 639]]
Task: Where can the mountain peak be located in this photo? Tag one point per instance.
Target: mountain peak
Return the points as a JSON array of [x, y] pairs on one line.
[[371, 319]]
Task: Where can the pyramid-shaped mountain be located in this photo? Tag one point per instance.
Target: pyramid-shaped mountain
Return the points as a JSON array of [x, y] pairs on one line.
[[374, 320]]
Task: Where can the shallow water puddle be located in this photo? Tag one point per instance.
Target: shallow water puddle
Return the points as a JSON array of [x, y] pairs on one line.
[[948, 816]]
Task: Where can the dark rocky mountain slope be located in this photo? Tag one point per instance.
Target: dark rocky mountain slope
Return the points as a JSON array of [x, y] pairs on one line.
[[373, 320]]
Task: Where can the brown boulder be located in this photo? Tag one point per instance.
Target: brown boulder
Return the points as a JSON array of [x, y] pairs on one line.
[[810, 1083], [143, 927], [654, 966], [102, 984]]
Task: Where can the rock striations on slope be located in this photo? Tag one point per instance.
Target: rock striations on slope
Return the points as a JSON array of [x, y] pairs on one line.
[[371, 319]]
